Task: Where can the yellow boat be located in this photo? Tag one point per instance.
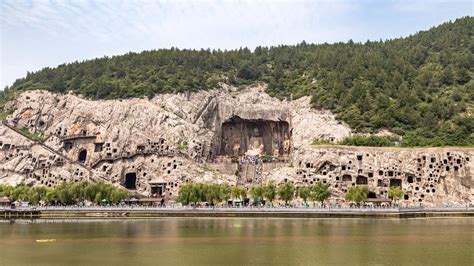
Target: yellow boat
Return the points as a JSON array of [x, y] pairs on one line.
[[45, 240]]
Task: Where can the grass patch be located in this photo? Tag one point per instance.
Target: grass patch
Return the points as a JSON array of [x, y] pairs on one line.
[[365, 141], [182, 147], [371, 141], [4, 115], [33, 136], [322, 142], [408, 141]]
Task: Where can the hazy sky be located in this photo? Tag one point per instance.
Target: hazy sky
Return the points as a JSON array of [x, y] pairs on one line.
[[36, 34]]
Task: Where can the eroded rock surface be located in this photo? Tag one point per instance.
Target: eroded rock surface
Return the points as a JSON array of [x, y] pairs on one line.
[[152, 146]]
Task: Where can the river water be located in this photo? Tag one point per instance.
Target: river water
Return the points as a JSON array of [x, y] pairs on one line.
[[234, 241]]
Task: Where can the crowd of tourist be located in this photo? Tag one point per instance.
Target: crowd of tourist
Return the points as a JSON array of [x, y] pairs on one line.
[[250, 159]]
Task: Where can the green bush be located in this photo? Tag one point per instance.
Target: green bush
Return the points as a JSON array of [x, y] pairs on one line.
[[373, 141], [182, 147], [33, 136], [4, 115], [322, 142]]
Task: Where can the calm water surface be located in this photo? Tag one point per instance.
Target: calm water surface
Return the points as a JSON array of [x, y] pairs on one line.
[[175, 241]]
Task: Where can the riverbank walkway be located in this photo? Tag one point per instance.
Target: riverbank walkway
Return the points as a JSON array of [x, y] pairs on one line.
[[140, 211]]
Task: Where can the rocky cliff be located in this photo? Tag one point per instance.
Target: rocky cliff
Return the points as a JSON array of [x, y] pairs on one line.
[[153, 145]]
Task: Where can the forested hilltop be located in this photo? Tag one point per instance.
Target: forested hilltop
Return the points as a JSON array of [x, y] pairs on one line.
[[420, 86]]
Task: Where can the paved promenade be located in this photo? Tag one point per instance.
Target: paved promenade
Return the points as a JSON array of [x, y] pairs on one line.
[[239, 212]]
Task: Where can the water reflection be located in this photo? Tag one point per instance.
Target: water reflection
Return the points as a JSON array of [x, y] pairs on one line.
[[239, 241]]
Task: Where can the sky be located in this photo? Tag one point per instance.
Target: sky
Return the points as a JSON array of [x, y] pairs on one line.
[[45, 33]]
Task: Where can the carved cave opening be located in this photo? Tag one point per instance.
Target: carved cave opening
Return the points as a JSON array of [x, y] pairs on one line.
[[131, 181], [240, 136], [371, 195], [394, 182], [82, 156], [98, 147], [361, 180], [347, 178], [157, 190], [380, 183], [68, 145]]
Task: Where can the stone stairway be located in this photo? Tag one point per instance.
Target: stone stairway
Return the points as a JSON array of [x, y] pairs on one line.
[[258, 174]]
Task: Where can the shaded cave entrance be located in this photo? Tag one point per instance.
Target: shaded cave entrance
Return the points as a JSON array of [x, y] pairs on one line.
[[131, 181], [347, 178], [264, 137], [82, 156], [394, 182], [361, 180], [157, 189]]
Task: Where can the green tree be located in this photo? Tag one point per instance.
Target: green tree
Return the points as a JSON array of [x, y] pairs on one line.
[[256, 192], [98, 198], [185, 193], [238, 193], [225, 192], [51, 196], [286, 192], [67, 193], [243, 193], [357, 194], [118, 195], [33, 197], [463, 76], [304, 193], [320, 192], [395, 193], [213, 193], [448, 76], [270, 192], [199, 193]]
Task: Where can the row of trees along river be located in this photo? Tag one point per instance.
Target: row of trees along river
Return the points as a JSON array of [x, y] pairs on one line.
[[190, 193], [213, 194]]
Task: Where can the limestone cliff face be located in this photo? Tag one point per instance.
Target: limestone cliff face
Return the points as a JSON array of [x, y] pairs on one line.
[[426, 175], [25, 161], [155, 145]]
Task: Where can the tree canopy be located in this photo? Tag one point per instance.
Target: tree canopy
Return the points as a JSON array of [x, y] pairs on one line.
[[357, 194], [286, 192], [67, 193], [395, 193], [270, 191], [420, 87], [320, 192]]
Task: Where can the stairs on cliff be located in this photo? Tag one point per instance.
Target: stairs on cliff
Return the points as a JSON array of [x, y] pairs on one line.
[[46, 147], [250, 174]]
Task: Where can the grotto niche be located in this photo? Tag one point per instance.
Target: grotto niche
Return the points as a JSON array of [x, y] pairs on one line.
[[254, 137]]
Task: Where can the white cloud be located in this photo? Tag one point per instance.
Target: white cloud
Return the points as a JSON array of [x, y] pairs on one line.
[[168, 22]]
